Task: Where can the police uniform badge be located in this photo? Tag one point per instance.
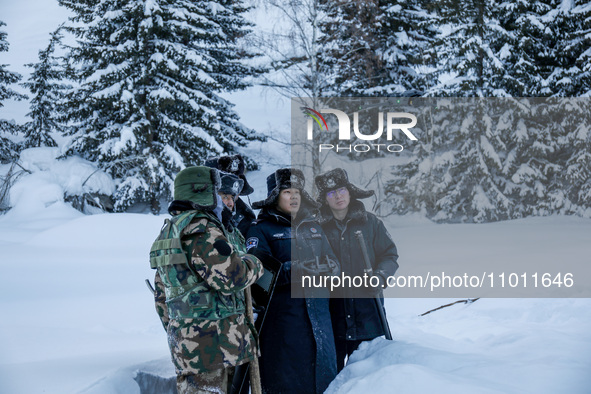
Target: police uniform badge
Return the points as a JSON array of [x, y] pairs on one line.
[[314, 233], [234, 166], [330, 183], [252, 242]]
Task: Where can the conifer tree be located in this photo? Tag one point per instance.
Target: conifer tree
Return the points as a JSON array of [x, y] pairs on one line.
[[7, 147], [569, 24], [468, 50], [373, 48], [352, 47], [150, 76], [47, 84]]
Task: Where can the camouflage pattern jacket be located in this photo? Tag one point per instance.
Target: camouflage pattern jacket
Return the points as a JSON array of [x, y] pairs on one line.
[[201, 301]]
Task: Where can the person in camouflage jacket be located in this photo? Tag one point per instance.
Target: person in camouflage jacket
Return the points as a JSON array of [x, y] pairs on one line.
[[200, 278]]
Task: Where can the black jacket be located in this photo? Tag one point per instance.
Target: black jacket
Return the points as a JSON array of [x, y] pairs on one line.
[[243, 217], [358, 318], [297, 344]]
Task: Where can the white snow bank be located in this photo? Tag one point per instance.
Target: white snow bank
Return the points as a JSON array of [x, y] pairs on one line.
[[51, 179], [489, 346], [79, 318]]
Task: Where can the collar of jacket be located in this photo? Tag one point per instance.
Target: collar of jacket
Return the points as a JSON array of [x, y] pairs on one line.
[[357, 212], [179, 206], [271, 213], [243, 208]]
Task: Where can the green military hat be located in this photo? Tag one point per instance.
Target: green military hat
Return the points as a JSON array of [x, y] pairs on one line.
[[198, 185]]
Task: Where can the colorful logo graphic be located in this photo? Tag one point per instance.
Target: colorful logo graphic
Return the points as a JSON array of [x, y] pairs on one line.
[[315, 115]]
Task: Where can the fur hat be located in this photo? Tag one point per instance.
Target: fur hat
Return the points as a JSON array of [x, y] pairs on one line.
[[231, 184], [284, 178], [233, 165], [198, 185], [335, 179]]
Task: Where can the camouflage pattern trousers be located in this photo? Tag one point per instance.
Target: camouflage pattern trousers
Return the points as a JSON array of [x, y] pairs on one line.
[[218, 381]]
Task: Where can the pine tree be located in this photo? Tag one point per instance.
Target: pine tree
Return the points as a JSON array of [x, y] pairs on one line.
[[150, 76], [47, 85], [468, 50], [456, 174], [7, 147], [373, 48], [526, 49], [569, 23], [577, 169], [409, 32], [352, 46], [567, 164]]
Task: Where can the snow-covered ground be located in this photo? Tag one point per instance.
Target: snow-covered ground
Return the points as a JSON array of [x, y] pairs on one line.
[[78, 317]]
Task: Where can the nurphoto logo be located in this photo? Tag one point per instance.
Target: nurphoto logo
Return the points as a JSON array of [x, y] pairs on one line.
[[393, 122]]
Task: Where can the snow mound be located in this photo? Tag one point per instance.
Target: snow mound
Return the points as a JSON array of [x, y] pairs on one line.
[[47, 180], [152, 377], [489, 346]]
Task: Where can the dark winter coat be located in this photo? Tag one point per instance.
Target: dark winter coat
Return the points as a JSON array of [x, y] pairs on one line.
[[243, 217], [358, 318], [296, 342]]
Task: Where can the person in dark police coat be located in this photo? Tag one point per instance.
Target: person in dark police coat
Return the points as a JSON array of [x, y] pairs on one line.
[[355, 319], [297, 344]]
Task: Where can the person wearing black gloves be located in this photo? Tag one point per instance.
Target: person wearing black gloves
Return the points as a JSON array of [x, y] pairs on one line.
[[297, 345], [354, 314]]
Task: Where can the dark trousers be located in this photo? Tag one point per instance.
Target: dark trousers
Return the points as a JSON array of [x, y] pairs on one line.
[[345, 349]]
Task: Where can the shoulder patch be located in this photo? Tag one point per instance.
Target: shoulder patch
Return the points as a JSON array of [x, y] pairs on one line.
[[222, 247], [252, 242]]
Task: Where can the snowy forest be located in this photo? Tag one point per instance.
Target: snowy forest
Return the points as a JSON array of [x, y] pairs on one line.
[[135, 88]]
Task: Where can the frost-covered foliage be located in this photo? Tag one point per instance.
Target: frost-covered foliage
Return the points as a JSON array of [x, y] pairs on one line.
[[455, 48], [468, 50], [47, 83], [150, 75], [570, 24], [7, 147], [486, 159], [373, 48]]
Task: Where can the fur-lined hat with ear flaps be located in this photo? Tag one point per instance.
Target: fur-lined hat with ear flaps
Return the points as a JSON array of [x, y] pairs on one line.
[[284, 178], [231, 184], [335, 179], [233, 165], [199, 185]]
